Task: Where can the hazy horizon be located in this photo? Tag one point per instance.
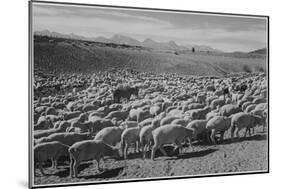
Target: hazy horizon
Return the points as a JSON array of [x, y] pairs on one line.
[[226, 33]]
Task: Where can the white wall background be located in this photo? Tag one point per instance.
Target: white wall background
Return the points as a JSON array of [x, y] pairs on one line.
[[14, 92]]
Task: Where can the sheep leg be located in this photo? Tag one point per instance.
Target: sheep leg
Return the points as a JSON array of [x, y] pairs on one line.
[[247, 129], [179, 145], [135, 147], [125, 150], [71, 166], [144, 148], [163, 151], [208, 137], [138, 146], [190, 144], [99, 160], [233, 128], [56, 163], [250, 133], [237, 133], [75, 167], [53, 162], [253, 130], [154, 148], [222, 136], [41, 168], [213, 136]]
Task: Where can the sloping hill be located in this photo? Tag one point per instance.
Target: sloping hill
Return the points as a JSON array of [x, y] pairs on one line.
[[262, 51], [67, 55]]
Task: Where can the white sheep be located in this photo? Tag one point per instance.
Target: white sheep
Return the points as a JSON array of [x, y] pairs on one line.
[[217, 103], [168, 120], [65, 138], [130, 136], [110, 135], [145, 136], [170, 134], [229, 109], [218, 124], [199, 127], [243, 120], [89, 150], [49, 150]]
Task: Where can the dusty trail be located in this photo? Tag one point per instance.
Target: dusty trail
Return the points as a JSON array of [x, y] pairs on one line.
[[249, 154]]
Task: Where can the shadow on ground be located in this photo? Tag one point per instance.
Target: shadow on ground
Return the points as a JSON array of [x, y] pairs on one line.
[[64, 172], [196, 153], [257, 137], [105, 174]]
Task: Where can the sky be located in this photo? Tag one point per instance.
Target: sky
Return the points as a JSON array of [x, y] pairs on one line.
[[226, 33]]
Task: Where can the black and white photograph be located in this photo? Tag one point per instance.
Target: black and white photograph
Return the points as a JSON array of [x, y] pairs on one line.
[[121, 94]]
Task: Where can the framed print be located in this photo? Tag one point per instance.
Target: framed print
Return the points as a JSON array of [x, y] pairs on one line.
[[122, 94]]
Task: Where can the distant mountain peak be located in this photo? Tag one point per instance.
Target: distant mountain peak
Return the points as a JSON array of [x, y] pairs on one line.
[[122, 39], [259, 51]]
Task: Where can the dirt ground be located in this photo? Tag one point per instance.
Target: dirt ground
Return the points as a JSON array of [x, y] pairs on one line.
[[246, 154]]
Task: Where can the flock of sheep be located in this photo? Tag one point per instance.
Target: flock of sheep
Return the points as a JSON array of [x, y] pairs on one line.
[[144, 111]]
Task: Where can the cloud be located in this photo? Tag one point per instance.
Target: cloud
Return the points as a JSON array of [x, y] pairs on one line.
[[225, 33]]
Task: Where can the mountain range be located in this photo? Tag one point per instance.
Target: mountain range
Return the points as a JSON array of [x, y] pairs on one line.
[[121, 39]]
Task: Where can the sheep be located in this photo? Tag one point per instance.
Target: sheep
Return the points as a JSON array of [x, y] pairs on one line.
[[133, 114], [171, 108], [49, 150], [211, 114], [96, 114], [145, 136], [145, 122], [53, 118], [259, 100], [195, 106], [89, 150], [60, 127], [58, 105], [168, 120], [129, 124], [110, 135], [40, 109], [83, 127], [217, 102], [201, 97], [168, 134], [261, 106], [250, 108], [89, 107], [128, 137], [175, 112], [96, 124], [241, 102], [199, 127], [120, 115], [71, 115], [142, 115], [182, 121], [155, 110], [44, 124], [245, 105], [200, 113], [51, 111], [218, 124], [229, 109], [65, 138], [210, 99], [243, 120], [165, 105]]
